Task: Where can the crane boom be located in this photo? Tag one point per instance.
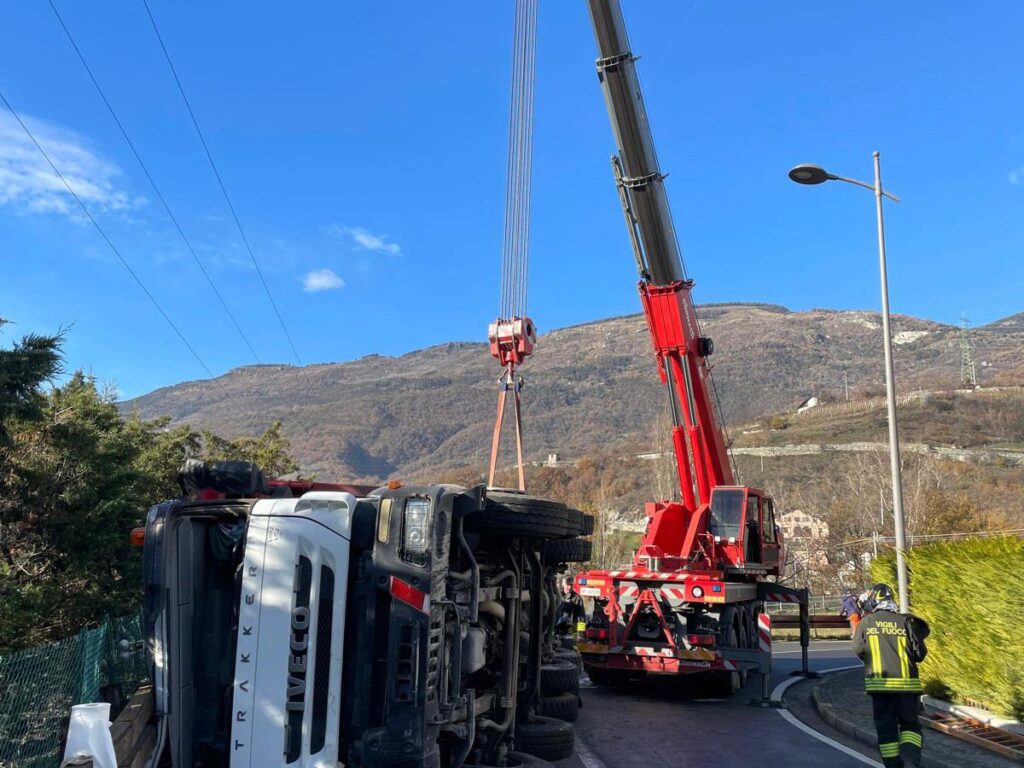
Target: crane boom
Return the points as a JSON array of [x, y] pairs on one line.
[[681, 350], [693, 598], [637, 158]]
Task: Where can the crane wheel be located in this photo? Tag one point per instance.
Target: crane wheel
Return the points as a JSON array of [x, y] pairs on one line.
[[729, 683]]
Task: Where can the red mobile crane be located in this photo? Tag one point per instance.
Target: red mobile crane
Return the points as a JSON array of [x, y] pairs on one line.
[[692, 600]]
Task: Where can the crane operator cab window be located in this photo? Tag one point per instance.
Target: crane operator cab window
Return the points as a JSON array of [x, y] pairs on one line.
[[726, 513]]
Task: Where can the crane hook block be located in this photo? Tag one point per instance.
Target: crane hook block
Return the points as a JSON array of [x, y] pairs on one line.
[[512, 340]]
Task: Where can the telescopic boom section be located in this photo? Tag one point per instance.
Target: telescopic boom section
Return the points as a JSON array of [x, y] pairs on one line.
[[681, 350]]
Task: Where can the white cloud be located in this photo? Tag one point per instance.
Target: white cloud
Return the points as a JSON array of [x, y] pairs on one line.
[[321, 280], [1017, 175], [364, 240], [29, 185]]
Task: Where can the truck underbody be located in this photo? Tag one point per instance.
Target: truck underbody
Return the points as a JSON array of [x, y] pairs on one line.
[[411, 627]]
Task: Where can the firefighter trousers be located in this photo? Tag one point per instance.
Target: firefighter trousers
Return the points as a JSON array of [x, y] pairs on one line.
[[898, 728]]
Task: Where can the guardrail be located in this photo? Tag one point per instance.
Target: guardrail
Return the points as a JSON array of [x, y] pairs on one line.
[[818, 621]]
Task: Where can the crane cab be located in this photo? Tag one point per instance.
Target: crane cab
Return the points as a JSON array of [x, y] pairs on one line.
[[743, 532]]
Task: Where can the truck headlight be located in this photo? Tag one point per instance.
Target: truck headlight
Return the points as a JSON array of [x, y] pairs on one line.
[[416, 529]]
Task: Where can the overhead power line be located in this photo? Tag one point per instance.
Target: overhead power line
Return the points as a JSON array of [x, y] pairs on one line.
[[220, 182], [152, 182], [103, 234]]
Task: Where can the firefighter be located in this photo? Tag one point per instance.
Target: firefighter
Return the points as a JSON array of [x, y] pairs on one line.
[[891, 645], [572, 612]]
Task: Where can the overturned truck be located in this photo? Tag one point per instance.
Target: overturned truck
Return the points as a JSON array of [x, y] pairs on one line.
[[316, 624]]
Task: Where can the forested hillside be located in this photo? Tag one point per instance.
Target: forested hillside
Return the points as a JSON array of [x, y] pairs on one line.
[[586, 386]]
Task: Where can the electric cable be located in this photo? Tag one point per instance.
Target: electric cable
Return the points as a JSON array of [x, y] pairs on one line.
[[152, 182], [103, 234], [220, 182]]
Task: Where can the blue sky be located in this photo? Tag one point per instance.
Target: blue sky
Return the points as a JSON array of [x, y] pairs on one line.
[[364, 146]]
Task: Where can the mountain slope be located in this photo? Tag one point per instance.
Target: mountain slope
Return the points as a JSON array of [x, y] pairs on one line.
[[585, 386]]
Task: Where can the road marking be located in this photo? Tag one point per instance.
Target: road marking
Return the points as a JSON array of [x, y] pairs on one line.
[[588, 758], [790, 718]]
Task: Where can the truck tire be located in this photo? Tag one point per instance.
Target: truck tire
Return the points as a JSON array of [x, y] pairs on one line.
[[580, 523], [559, 676], [546, 738], [569, 654], [563, 706], [514, 514], [567, 550]]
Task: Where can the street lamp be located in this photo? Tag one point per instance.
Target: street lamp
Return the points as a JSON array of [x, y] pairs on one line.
[[815, 174]]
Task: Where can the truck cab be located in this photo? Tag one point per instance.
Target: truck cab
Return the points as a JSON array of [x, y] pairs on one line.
[[404, 626]]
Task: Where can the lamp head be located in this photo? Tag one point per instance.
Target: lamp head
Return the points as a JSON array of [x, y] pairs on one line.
[[809, 174]]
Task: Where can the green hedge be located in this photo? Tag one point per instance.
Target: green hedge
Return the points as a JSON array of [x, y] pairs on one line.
[[972, 594]]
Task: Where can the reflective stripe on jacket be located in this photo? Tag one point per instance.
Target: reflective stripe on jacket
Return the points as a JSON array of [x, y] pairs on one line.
[[891, 645]]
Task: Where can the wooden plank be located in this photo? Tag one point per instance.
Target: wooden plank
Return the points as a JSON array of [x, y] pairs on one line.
[[129, 729], [143, 748]]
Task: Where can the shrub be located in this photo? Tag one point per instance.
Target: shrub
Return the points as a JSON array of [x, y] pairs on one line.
[[970, 593]]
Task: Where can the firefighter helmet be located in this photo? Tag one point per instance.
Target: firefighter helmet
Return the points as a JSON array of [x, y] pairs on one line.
[[878, 593]]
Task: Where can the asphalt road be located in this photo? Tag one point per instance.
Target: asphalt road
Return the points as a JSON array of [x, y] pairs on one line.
[[676, 725]]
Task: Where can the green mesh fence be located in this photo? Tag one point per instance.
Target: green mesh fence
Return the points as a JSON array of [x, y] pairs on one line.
[[39, 685]]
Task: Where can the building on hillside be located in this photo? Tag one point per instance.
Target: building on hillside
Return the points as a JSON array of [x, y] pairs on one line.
[[807, 404], [799, 526], [805, 537]]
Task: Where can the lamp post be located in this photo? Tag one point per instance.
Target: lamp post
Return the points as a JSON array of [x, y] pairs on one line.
[[815, 174]]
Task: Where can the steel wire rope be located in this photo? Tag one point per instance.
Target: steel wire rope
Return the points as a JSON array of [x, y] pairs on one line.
[[506, 261], [103, 234], [515, 242], [220, 182], [152, 182], [508, 265], [527, 161]]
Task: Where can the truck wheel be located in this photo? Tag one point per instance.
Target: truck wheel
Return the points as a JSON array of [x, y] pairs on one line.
[[580, 523], [564, 706], [567, 550], [559, 676], [546, 738], [569, 654], [515, 514]]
